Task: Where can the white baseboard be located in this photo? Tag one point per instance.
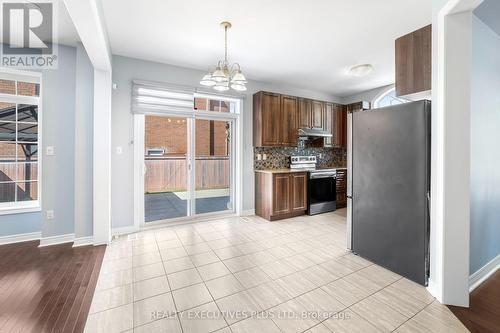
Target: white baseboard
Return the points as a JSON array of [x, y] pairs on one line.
[[83, 241], [20, 238], [248, 212], [484, 273], [123, 230], [59, 239]]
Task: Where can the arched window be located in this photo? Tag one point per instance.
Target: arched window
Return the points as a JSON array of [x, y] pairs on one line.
[[388, 98]]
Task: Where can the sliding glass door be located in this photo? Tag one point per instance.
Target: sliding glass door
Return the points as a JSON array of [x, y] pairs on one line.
[[212, 165], [166, 162], [189, 165]]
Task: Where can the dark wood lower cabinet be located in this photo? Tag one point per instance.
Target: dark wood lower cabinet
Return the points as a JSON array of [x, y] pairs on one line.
[[341, 188], [280, 195], [299, 191]]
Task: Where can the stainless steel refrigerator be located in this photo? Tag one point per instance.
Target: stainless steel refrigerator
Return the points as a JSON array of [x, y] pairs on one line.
[[388, 187]]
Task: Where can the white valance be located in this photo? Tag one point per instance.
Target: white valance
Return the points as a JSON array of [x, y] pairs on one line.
[[151, 97]]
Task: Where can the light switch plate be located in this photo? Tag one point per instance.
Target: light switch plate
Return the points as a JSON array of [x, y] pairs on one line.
[[49, 214], [119, 150]]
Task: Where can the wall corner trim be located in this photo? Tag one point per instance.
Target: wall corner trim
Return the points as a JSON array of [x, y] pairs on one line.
[[83, 241], [484, 273], [54, 240], [20, 238]]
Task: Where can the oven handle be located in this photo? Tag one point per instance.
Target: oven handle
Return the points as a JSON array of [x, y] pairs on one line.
[[323, 175]]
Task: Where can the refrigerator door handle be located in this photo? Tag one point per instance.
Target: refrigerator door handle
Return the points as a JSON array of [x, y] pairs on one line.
[[349, 180]]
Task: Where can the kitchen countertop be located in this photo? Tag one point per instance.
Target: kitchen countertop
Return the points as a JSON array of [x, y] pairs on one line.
[[291, 170]]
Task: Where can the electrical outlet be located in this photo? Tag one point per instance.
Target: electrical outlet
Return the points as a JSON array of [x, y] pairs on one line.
[[264, 157], [259, 157], [49, 214], [50, 151]]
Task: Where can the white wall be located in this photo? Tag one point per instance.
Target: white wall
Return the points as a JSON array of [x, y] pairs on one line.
[[368, 96], [485, 155], [127, 69]]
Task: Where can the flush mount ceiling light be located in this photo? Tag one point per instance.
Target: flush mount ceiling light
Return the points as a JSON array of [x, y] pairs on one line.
[[225, 76], [361, 70]]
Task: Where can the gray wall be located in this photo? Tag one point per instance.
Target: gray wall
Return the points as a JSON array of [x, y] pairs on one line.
[[84, 106], [127, 69], [58, 171], [485, 155], [368, 96], [489, 13], [58, 131]]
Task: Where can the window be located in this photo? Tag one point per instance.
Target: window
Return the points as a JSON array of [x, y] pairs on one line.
[[19, 141], [214, 105], [388, 98]]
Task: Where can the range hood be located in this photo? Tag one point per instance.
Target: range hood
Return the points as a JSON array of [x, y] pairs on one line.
[[312, 133]]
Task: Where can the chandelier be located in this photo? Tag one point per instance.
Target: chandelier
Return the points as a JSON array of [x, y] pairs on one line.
[[225, 75]]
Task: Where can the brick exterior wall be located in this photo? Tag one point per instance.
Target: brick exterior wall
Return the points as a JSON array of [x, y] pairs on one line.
[[23, 88], [170, 134]]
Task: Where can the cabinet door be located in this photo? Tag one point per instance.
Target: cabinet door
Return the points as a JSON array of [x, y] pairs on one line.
[[299, 191], [329, 124], [304, 113], [281, 194], [337, 126], [289, 111], [414, 62], [341, 188], [271, 119], [341, 200], [343, 130], [318, 115]]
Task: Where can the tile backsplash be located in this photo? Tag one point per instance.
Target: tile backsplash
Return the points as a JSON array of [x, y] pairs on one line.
[[279, 157]]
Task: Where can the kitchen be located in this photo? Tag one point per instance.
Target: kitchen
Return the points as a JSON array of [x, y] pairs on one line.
[[306, 128], [314, 157]]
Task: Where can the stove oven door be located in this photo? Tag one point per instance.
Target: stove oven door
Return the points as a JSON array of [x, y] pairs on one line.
[[322, 193]]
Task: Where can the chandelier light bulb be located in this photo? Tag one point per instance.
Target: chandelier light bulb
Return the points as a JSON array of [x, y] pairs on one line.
[[208, 80]]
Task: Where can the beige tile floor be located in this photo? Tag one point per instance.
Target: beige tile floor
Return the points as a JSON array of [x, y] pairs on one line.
[[250, 275]]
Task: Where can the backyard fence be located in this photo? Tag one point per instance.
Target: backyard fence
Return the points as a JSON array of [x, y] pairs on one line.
[[169, 174]]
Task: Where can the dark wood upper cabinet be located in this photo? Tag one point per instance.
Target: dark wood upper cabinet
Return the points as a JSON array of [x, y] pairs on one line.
[[278, 117], [329, 124], [339, 139], [414, 62], [304, 117], [318, 115], [289, 115], [267, 119]]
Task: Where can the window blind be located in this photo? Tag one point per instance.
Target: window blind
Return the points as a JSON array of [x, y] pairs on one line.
[[160, 98]]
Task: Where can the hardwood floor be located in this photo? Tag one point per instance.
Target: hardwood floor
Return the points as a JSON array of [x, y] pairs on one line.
[[483, 315], [47, 289]]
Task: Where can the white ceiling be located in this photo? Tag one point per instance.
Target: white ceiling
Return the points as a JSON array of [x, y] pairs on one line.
[[303, 43]]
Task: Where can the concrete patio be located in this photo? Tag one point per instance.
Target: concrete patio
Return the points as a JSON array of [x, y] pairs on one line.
[[168, 205]]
